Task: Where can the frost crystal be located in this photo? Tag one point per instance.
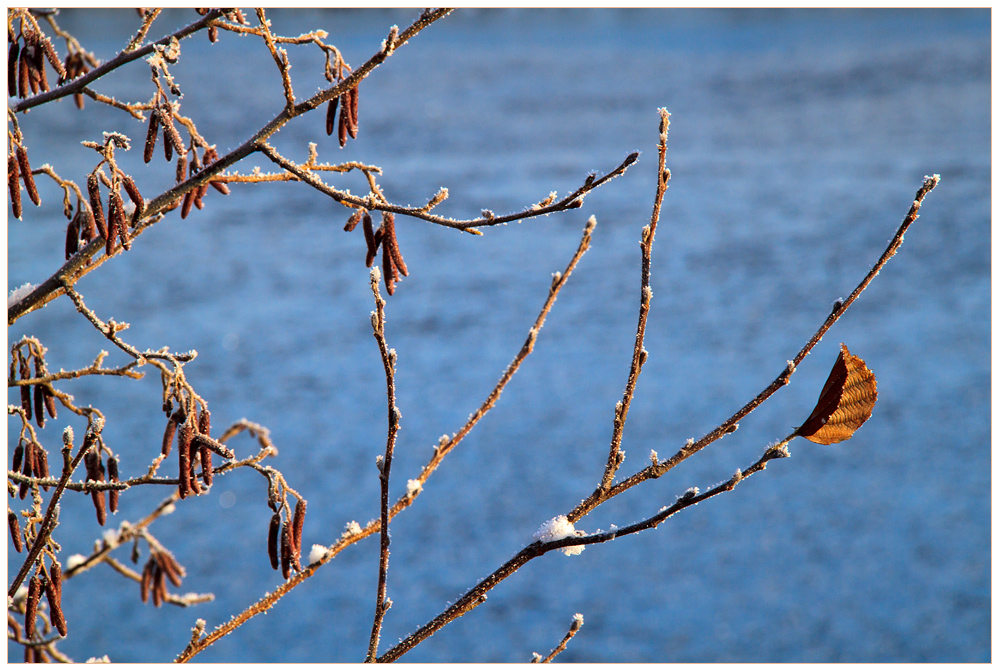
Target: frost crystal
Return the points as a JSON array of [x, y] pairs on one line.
[[352, 528], [559, 528], [413, 487], [19, 293]]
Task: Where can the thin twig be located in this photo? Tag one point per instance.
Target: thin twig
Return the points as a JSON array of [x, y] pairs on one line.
[[730, 425], [573, 629], [544, 207], [356, 533], [280, 58], [477, 595], [389, 363], [615, 455]]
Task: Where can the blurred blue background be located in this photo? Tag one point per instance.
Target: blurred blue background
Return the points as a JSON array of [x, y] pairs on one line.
[[797, 141]]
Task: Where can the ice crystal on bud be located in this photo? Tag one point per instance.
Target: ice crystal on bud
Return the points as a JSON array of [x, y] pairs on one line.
[[317, 553], [559, 528], [413, 486], [578, 620], [351, 529]]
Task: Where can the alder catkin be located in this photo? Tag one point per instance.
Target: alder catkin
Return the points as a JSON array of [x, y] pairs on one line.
[[12, 54], [31, 606], [54, 598], [50, 53], [170, 134], [369, 240], [109, 242], [14, 185], [206, 462], [389, 239], [151, 133], [184, 459], [15, 530], [94, 192], [50, 402], [168, 435], [95, 472], [331, 112], [26, 401], [72, 237], [286, 552], [272, 540], [353, 220], [113, 477], [38, 65], [29, 180], [27, 467], [146, 580], [343, 122], [120, 224], [23, 76], [159, 585], [133, 192], [297, 523], [39, 406], [353, 127], [388, 270]]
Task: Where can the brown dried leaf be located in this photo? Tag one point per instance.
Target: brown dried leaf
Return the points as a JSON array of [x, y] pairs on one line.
[[845, 403]]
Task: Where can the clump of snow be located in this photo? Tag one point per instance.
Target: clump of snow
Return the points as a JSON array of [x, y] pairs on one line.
[[75, 561], [559, 528], [317, 553]]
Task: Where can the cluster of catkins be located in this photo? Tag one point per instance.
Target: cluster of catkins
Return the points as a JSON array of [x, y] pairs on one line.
[[160, 567], [116, 226], [348, 123], [19, 169], [44, 400], [48, 583], [385, 235], [26, 64], [193, 445], [289, 534]]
